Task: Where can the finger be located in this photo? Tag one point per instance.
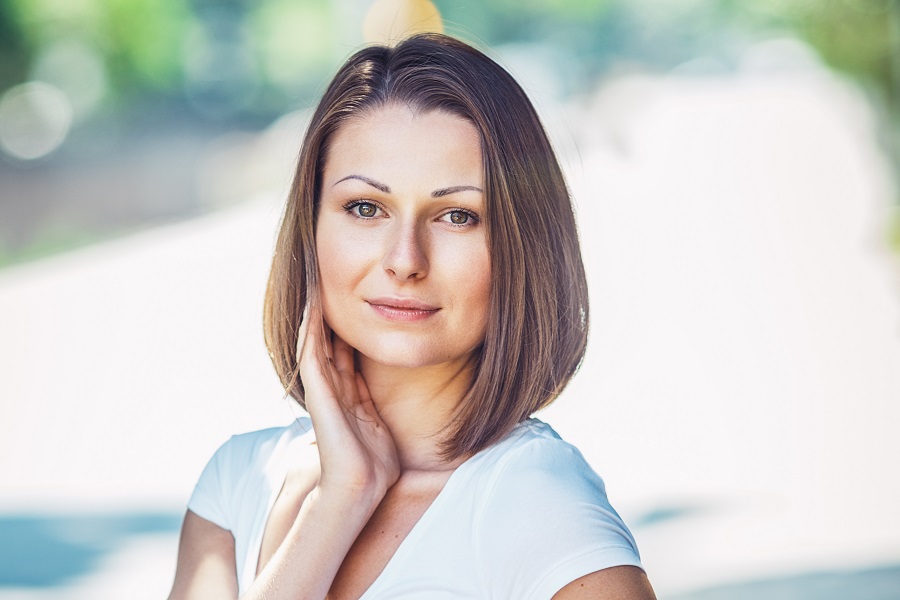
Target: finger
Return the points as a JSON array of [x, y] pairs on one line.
[[315, 371], [310, 347], [366, 405], [363, 390], [302, 334], [309, 336], [343, 356], [325, 334]]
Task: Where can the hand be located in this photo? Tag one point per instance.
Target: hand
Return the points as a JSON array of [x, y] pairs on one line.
[[356, 450]]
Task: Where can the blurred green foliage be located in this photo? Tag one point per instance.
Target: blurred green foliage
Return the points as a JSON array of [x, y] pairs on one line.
[[858, 37], [547, 21], [293, 42], [54, 239], [855, 36], [894, 231], [223, 63], [13, 54], [146, 45], [141, 41]]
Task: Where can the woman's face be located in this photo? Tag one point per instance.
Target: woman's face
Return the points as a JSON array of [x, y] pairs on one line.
[[402, 246]]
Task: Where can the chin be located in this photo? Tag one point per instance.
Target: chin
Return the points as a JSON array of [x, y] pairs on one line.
[[411, 354], [405, 358]]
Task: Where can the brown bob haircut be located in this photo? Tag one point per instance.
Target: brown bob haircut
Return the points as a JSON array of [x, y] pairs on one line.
[[538, 319]]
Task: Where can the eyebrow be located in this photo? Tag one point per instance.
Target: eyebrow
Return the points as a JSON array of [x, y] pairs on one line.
[[454, 189], [387, 190], [378, 186]]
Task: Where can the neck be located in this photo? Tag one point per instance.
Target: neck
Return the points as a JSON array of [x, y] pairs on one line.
[[416, 404]]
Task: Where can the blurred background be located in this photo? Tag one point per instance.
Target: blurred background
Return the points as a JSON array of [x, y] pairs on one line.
[[735, 170]]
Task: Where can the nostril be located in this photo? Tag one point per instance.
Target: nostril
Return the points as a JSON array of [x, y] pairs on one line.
[[405, 258]]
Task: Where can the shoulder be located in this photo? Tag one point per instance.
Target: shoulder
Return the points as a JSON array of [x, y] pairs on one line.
[[546, 517], [245, 449], [240, 463], [534, 457]]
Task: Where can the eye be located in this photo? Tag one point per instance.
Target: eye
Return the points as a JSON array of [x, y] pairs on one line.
[[362, 209], [458, 217]]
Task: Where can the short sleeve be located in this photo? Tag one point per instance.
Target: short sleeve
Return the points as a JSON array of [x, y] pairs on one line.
[[210, 497], [546, 522], [234, 483]]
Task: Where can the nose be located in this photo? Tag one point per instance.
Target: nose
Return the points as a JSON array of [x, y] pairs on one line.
[[405, 256]]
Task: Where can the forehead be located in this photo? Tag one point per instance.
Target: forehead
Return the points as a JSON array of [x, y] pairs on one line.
[[394, 140]]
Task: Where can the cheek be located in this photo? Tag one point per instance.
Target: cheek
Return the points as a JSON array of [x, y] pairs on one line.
[[479, 311], [472, 275], [333, 287], [482, 284], [332, 267], [344, 259]]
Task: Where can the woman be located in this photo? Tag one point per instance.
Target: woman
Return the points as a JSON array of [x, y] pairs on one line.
[[426, 297]]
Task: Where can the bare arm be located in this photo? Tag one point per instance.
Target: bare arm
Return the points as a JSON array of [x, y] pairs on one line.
[[303, 567], [358, 465], [205, 562], [615, 583]]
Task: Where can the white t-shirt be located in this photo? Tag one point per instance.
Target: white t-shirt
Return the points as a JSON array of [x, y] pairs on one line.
[[520, 519]]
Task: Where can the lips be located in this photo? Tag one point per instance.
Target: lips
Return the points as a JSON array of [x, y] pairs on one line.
[[402, 309]]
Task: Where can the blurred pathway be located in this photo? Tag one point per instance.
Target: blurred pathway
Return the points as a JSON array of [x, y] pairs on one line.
[[745, 361], [741, 396]]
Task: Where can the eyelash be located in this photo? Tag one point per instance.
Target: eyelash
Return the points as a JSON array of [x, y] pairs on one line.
[[351, 205]]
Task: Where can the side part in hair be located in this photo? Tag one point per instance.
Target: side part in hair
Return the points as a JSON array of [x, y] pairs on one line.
[[538, 322]]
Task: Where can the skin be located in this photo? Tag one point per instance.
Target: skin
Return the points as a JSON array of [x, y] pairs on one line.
[[400, 220]]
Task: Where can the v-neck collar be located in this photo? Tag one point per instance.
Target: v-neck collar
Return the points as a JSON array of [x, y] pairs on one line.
[[418, 530], [278, 474]]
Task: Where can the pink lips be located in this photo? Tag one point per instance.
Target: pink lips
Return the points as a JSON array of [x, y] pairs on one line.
[[402, 309]]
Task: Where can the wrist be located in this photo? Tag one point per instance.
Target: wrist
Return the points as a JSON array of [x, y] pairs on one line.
[[349, 500]]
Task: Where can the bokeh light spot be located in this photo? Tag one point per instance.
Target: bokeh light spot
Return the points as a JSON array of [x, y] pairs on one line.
[[34, 120], [77, 69]]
